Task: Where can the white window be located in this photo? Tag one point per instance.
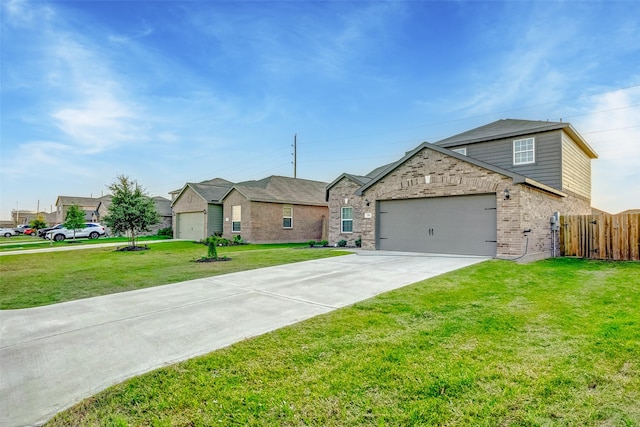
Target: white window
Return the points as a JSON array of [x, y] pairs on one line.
[[287, 217], [236, 218], [346, 220], [462, 151], [524, 151]]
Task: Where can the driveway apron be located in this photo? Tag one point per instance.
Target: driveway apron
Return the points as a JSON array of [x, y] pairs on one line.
[[52, 357]]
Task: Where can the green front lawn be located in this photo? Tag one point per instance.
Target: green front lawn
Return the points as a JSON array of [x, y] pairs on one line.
[[555, 342], [32, 280], [15, 243]]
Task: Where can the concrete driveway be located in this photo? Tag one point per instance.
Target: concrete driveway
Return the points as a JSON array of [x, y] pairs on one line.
[[52, 357]]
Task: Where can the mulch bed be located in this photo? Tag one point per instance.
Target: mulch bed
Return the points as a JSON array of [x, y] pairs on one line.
[[132, 248], [220, 258]]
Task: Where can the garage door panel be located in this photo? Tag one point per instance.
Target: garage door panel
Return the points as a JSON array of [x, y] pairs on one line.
[[190, 225], [457, 225]]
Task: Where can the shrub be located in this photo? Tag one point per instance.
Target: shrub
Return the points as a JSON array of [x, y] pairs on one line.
[[237, 240], [342, 243], [212, 252], [165, 232], [324, 243], [311, 243], [223, 241], [359, 242]]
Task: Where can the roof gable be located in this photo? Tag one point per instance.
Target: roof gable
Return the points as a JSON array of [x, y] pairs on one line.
[[517, 178], [74, 200], [281, 189], [211, 191]]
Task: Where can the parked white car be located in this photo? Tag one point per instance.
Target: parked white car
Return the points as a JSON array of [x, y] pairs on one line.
[[8, 232], [92, 230]]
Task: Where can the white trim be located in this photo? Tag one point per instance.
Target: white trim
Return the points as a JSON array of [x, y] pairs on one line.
[[343, 219], [236, 218], [522, 151], [462, 150], [290, 216]]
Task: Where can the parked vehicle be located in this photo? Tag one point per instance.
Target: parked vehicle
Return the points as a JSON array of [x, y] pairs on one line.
[[29, 231], [91, 230], [8, 232], [43, 231], [20, 228]]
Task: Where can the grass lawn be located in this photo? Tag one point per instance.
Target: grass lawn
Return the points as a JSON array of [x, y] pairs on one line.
[[555, 342], [31, 242], [32, 280]]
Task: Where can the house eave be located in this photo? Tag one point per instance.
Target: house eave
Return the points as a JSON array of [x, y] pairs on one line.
[[533, 183]]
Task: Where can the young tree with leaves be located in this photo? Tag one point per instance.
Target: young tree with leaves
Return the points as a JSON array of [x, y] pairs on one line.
[[38, 223], [131, 210], [74, 219]]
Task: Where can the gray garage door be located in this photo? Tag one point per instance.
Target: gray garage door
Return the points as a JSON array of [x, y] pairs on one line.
[[464, 225], [190, 225]]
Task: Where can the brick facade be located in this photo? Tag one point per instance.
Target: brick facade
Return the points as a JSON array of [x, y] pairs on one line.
[[527, 208], [189, 201], [342, 195], [261, 222]]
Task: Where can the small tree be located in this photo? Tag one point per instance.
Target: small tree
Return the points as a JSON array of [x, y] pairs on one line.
[[131, 210], [38, 223], [74, 219], [212, 251]]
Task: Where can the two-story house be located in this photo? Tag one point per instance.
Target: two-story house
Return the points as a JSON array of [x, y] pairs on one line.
[[490, 191]]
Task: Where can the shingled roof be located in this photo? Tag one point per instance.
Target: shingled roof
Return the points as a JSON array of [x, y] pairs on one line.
[[508, 128], [212, 190], [282, 189]]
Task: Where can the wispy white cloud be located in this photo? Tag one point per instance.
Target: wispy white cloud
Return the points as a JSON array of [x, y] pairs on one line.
[[613, 130]]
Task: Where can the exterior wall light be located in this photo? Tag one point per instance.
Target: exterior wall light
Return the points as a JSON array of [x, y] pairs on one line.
[[366, 202], [507, 196]]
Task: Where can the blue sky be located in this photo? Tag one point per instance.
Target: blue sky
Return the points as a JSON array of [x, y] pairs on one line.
[[169, 92]]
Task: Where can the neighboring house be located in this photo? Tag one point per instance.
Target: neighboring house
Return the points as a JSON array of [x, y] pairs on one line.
[[87, 204], [197, 209], [274, 209], [163, 207], [24, 217], [596, 211], [490, 191], [629, 211]]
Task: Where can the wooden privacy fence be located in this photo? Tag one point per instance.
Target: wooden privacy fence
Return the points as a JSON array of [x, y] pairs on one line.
[[613, 237]]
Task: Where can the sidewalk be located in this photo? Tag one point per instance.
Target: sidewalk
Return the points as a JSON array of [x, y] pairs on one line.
[[78, 246]]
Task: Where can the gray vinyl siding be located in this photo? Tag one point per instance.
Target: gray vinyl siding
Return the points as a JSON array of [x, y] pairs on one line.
[[547, 168], [214, 221]]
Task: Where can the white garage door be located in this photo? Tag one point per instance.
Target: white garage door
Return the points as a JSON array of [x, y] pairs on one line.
[[465, 225], [190, 225]]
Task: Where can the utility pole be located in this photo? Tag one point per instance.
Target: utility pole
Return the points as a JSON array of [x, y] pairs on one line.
[[295, 153]]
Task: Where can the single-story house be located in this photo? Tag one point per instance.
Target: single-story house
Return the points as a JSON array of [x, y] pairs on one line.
[[162, 204], [493, 191], [273, 209], [197, 209]]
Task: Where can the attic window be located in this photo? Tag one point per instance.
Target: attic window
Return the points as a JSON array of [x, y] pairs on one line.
[[524, 151], [462, 151]]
